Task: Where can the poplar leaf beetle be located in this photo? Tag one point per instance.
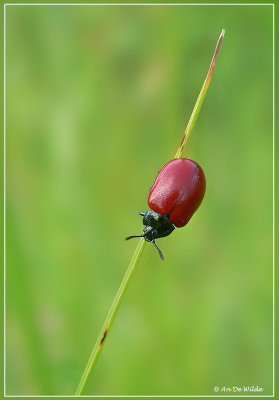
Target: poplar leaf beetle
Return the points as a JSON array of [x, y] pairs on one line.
[[174, 197]]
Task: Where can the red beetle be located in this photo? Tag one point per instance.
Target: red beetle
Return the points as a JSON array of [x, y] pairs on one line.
[[174, 197]]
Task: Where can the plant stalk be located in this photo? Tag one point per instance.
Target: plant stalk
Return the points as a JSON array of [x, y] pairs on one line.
[[110, 317], [137, 254], [200, 98]]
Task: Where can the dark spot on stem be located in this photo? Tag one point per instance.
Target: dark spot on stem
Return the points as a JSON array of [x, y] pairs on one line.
[[182, 140], [104, 336]]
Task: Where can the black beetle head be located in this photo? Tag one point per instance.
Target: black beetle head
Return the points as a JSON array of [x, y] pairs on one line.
[[156, 226]]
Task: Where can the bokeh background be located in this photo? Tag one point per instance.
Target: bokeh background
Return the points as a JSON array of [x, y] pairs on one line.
[[97, 101]]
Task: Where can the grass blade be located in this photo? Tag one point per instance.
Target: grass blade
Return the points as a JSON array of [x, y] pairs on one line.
[[200, 98], [110, 317], [137, 254]]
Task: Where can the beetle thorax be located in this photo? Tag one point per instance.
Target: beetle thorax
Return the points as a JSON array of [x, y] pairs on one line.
[[156, 225]]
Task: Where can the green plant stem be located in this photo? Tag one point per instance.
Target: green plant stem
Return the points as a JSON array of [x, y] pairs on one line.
[[136, 256], [200, 98], [110, 317]]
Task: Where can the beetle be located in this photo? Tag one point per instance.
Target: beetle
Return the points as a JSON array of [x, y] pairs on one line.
[[174, 197]]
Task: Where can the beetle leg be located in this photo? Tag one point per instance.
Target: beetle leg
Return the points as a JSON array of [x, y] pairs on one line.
[[159, 251], [133, 236]]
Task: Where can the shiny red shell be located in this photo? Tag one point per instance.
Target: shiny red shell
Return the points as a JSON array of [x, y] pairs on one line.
[[178, 190]]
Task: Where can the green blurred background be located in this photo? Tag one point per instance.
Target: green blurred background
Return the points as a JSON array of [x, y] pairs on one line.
[[97, 101]]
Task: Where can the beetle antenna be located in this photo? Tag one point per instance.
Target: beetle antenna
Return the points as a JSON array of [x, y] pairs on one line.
[[133, 236], [159, 251]]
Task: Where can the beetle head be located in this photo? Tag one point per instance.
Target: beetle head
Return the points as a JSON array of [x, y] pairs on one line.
[[156, 226]]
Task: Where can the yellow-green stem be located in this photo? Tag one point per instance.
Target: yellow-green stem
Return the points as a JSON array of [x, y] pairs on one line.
[[200, 98], [110, 317], [136, 256]]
